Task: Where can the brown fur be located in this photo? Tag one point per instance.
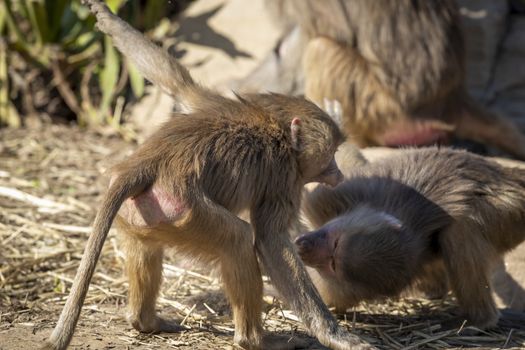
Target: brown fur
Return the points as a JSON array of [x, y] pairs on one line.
[[185, 185], [397, 67], [401, 220]]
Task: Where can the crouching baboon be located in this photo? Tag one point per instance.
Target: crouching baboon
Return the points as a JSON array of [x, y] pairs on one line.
[[397, 67], [184, 186], [414, 214]]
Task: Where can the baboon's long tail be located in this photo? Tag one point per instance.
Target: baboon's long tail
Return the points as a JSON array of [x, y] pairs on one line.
[[479, 124], [153, 62], [125, 186]]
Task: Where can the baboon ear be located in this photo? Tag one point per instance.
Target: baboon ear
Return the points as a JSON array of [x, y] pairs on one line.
[[391, 220], [334, 109], [295, 129]]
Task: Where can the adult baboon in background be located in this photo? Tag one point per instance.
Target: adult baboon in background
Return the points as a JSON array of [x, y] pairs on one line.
[[397, 67]]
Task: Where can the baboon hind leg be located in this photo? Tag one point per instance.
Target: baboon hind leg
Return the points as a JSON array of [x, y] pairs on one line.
[[468, 259], [144, 271], [215, 235]]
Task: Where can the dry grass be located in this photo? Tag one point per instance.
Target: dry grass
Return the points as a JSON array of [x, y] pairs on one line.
[[50, 184]]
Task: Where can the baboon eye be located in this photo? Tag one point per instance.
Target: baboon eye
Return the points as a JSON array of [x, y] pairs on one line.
[[332, 265], [335, 244]]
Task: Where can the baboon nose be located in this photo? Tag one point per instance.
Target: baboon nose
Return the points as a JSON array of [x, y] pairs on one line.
[[303, 244]]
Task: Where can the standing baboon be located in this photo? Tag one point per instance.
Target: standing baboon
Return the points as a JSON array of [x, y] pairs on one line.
[[185, 185]]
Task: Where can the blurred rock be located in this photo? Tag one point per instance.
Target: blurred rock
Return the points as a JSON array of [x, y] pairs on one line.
[[495, 45], [484, 25], [507, 93]]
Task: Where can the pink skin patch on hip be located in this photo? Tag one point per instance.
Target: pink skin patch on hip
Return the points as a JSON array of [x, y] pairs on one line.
[[416, 134], [152, 208]]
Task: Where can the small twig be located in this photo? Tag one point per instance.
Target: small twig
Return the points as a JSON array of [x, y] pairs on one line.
[[462, 326], [14, 234], [67, 228], [34, 261], [388, 339], [508, 338], [428, 340], [44, 205], [168, 267], [287, 314], [179, 306], [70, 280], [188, 314], [209, 309]]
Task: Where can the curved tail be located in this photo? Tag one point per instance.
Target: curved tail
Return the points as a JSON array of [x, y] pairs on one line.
[[479, 124], [152, 61], [125, 186]]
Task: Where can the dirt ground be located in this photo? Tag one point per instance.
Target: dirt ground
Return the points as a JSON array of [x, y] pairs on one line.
[[42, 238]]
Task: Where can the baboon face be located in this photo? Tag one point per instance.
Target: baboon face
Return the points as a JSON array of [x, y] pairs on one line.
[[314, 136], [358, 247], [320, 138]]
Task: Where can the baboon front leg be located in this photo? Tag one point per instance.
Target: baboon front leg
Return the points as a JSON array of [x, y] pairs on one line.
[[468, 259], [289, 275], [433, 282], [144, 271]]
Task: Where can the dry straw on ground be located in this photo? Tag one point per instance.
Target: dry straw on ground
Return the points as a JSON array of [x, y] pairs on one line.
[[50, 184]]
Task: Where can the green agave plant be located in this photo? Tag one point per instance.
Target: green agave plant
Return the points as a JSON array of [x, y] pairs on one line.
[[56, 38]]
